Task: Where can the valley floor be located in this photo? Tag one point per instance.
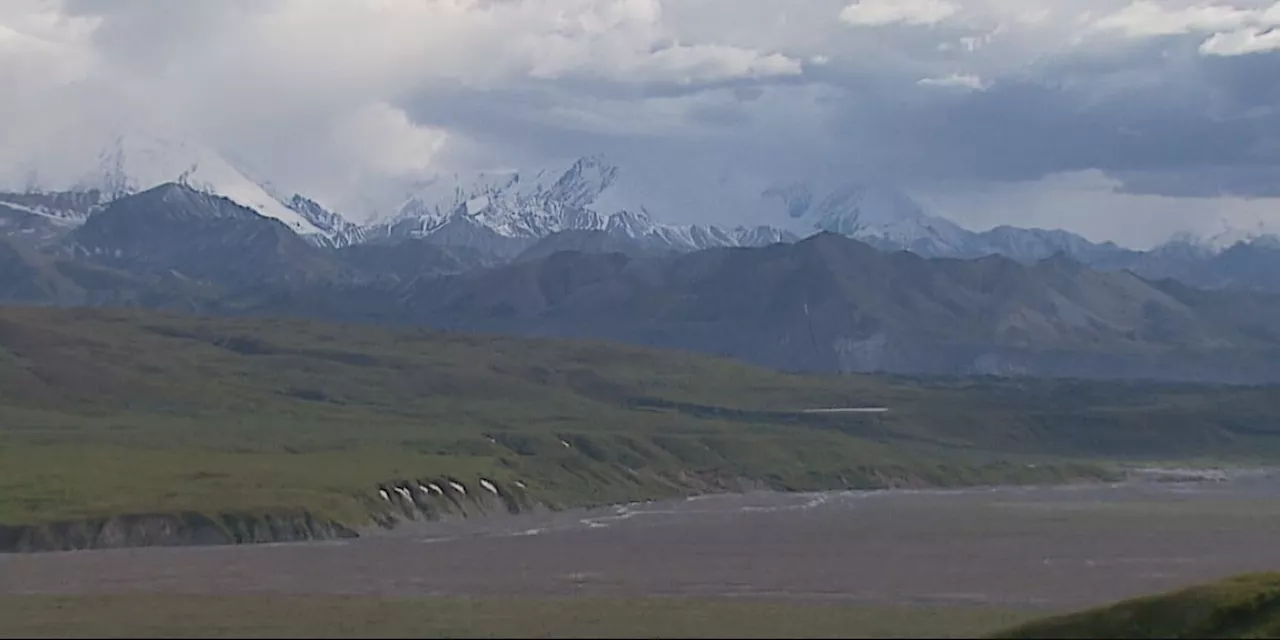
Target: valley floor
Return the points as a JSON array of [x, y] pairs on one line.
[[885, 564]]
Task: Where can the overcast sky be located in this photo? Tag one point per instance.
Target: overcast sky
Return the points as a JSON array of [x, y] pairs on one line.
[[1120, 120]]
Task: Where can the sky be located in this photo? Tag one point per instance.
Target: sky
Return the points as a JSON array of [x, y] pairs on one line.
[[1121, 120]]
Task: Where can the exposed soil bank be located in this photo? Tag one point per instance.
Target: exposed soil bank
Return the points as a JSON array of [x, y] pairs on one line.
[[394, 503], [168, 530]]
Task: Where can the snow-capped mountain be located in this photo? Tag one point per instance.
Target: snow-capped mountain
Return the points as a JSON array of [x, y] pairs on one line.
[[337, 231], [40, 218], [891, 220], [506, 212], [878, 215], [62, 208], [180, 231], [503, 213], [1032, 245], [135, 163], [513, 205], [1226, 237], [131, 164]]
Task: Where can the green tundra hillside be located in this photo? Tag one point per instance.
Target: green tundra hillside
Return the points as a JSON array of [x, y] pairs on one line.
[[106, 413], [1241, 607]]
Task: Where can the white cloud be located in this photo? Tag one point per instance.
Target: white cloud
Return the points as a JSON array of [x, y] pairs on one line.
[[877, 13], [955, 80], [307, 91], [1145, 18], [340, 100], [398, 42], [1242, 42], [627, 41], [40, 47], [382, 137], [1234, 30], [703, 63]]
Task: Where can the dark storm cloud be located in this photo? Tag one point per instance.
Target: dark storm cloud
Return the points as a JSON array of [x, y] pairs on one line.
[[983, 93], [1199, 127]]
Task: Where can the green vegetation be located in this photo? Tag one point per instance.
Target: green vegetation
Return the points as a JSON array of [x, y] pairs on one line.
[[139, 616], [1242, 607], [106, 412]]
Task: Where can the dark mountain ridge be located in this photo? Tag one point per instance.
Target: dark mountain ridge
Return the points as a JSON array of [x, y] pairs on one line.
[[827, 303], [834, 304], [198, 235]]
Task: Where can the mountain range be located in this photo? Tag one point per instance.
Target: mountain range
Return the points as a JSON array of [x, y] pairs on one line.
[[824, 303], [860, 278], [830, 303], [510, 215]]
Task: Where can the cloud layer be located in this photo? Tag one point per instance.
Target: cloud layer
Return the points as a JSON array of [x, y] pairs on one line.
[[1172, 101]]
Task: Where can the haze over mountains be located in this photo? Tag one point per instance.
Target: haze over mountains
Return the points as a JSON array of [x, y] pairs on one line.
[[861, 278]]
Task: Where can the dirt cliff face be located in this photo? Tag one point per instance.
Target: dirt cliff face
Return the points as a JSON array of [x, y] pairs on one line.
[[437, 498], [446, 498], [167, 530], [401, 500]]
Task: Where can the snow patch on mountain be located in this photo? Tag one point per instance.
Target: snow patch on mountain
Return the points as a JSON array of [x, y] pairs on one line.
[[1225, 237], [336, 230], [1032, 245], [68, 209], [136, 163], [530, 205], [132, 163], [879, 215], [512, 204]]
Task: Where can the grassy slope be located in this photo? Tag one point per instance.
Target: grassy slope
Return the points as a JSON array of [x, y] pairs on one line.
[[1242, 607], [107, 412], [321, 617]]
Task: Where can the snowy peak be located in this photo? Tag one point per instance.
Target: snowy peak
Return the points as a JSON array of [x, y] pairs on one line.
[[511, 204], [337, 230], [174, 230], [130, 164], [1228, 236], [504, 202], [639, 225], [514, 204], [636, 224], [524, 207], [139, 163], [585, 181], [63, 208], [889, 219], [760, 236], [881, 216], [176, 201], [859, 208], [1031, 245]]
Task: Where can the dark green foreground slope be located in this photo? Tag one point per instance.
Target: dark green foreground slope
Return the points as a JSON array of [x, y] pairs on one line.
[[1241, 607], [270, 616], [238, 430]]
